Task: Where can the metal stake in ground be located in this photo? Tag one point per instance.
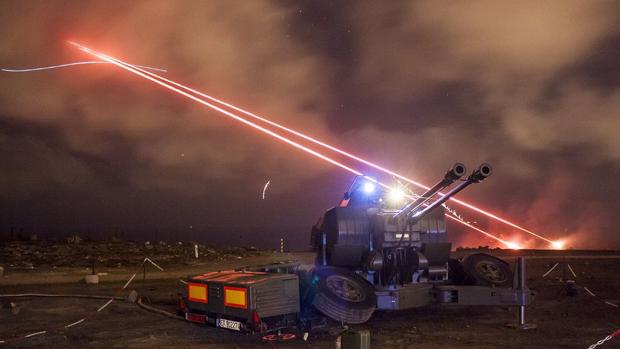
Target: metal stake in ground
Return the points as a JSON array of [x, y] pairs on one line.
[[522, 296]]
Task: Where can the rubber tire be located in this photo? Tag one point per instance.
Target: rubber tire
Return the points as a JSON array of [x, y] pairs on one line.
[[340, 309], [469, 265]]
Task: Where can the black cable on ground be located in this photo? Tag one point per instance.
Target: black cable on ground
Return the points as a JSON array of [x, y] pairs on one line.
[[60, 295], [158, 311]]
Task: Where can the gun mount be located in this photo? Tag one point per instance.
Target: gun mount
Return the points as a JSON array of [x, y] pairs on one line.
[[361, 227], [402, 252]]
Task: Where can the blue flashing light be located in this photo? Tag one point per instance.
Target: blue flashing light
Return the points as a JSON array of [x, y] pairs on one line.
[[369, 187]]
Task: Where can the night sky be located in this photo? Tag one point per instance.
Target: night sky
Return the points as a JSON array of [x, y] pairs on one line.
[[531, 87]]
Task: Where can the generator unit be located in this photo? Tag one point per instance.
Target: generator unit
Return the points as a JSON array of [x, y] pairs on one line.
[[242, 300]]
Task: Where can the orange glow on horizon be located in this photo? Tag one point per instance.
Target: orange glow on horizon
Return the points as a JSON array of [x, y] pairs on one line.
[[515, 246], [559, 244]]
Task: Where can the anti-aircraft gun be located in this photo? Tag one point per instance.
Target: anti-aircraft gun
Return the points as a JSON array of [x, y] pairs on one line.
[[373, 254]]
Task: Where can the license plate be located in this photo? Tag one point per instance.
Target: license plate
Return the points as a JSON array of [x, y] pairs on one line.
[[229, 324]]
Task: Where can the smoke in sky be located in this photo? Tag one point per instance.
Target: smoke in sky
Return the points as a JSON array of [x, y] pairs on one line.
[[530, 87]]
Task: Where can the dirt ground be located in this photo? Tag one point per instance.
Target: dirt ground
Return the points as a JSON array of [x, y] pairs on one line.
[[562, 321]]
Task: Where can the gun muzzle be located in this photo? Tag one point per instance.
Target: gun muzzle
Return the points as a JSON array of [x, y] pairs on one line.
[[483, 171], [454, 173]]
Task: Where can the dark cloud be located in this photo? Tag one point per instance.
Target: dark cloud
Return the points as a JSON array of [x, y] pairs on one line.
[[529, 87]]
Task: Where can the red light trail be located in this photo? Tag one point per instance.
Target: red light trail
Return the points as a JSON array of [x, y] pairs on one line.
[[339, 151], [171, 86], [229, 114]]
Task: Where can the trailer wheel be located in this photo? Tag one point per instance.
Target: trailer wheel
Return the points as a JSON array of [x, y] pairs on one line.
[[487, 270], [343, 295]]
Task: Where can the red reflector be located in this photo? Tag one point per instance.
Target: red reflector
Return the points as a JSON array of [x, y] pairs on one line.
[[235, 297], [199, 318], [197, 292]]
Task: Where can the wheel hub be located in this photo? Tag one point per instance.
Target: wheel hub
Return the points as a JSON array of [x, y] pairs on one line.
[[345, 288], [490, 271]]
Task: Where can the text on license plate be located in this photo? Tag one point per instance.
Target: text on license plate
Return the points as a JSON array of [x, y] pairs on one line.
[[229, 324]]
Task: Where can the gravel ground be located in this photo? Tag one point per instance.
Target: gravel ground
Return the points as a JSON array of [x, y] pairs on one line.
[[562, 321]]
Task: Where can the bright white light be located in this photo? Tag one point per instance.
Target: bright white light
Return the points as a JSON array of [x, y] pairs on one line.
[[368, 187], [558, 244], [514, 246], [396, 196]]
